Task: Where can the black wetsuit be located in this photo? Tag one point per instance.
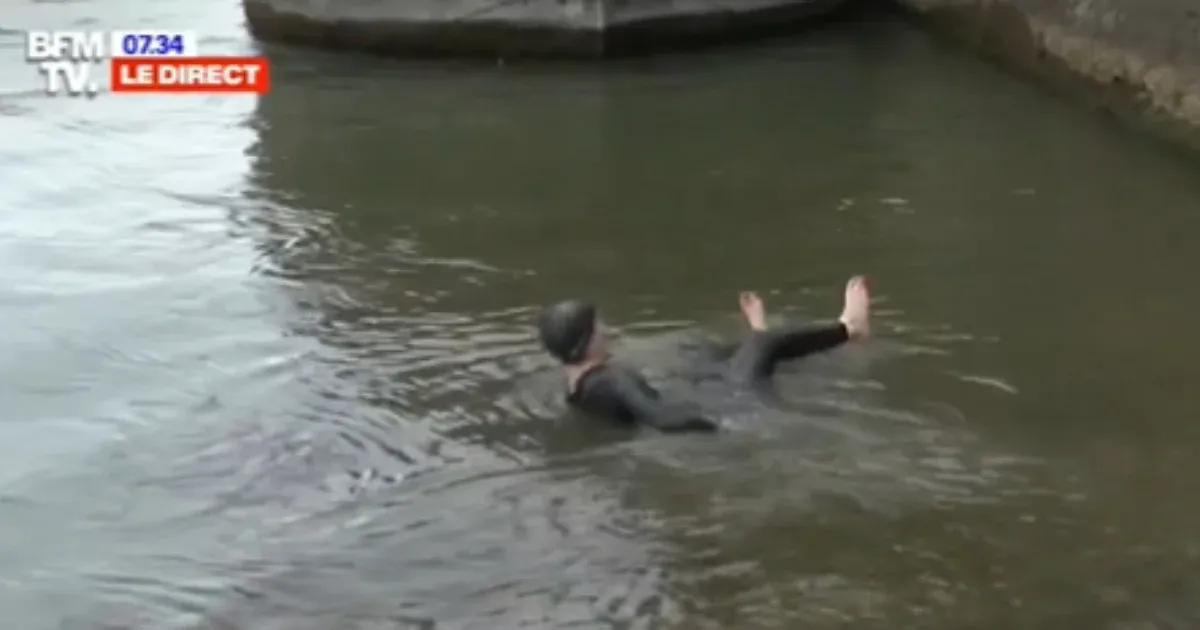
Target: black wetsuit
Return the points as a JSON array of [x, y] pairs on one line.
[[621, 394]]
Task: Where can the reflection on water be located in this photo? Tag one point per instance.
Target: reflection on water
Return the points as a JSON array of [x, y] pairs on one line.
[[271, 363]]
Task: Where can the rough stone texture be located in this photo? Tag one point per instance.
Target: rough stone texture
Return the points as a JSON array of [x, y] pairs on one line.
[[520, 28], [1143, 54]]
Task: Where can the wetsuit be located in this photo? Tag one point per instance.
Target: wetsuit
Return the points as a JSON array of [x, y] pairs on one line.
[[621, 394]]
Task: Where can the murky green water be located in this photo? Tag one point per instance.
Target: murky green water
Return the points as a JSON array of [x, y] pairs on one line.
[[218, 313]]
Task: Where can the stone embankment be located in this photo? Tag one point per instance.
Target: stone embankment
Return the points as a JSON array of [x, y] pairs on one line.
[[1140, 58]]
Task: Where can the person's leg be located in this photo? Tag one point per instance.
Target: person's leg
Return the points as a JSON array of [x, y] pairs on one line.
[[854, 323], [765, 347]]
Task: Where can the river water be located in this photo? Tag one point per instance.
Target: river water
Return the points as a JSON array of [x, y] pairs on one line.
[[269, 363]]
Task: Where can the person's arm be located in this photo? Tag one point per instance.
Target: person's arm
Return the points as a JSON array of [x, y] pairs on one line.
[[648, 407]]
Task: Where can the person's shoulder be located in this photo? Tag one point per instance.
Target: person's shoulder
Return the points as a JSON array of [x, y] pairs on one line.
[[588, 382], [610, 375], [597, 375], [617, 370]]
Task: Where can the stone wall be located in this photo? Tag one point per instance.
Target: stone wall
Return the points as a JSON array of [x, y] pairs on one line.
[[515, 28], [1138, 57]]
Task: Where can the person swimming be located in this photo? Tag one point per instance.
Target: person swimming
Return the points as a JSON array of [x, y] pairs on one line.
[[572, 333]]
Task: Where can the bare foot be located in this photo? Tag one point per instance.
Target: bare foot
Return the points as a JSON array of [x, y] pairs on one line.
[[856, 314], [753, 310]]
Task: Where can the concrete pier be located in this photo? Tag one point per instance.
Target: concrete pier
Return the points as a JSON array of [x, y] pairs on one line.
[[523, 28]]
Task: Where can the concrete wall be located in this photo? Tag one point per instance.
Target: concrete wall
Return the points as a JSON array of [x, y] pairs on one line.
[[511, 28], [1139, 57]]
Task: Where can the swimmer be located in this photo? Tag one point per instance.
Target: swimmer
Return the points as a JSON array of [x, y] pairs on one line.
[[571, 332]]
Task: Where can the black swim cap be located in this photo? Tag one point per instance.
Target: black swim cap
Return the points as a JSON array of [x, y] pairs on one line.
[[566, 329]]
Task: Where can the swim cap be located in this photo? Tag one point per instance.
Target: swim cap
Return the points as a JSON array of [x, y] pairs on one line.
[[566, 329]]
